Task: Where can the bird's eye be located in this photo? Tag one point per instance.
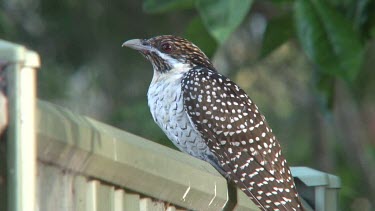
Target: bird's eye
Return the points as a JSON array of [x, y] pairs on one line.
[[166, 47]]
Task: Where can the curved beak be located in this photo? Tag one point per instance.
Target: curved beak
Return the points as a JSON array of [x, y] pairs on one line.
[[137, 44]]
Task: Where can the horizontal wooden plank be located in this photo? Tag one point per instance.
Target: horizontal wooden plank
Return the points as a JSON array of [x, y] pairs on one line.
[[98, 150]]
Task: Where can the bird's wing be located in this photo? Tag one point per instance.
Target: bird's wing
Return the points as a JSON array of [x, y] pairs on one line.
[[240, 137]]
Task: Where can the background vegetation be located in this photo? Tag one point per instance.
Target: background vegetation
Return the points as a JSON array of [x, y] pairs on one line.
[[309, 65]]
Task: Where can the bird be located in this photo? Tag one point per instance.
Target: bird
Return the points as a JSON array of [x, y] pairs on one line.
[[208, 116]]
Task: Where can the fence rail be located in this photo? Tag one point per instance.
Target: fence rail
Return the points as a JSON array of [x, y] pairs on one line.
[[96, 150]]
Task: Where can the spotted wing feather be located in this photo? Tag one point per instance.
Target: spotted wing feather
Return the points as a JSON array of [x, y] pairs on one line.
[[241, 139]]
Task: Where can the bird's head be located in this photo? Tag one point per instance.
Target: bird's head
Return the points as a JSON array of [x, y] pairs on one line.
[[170, 53]]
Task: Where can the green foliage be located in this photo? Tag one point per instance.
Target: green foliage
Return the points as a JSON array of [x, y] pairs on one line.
[[222, 17], [278, 31], [330, 42], [372, 32], [328, 39], [369, 22], [158, 6], [198, 34]]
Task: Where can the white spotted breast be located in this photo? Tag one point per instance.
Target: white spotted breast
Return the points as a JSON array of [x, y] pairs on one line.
[[166, 103]]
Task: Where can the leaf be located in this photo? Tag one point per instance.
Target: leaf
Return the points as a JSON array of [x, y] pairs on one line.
[[372, 32], [281, 2], [159, 6], [328, 39], [198, 34], [277, 32], [369, 25], [222, 17], [325, 85], [360, 14]]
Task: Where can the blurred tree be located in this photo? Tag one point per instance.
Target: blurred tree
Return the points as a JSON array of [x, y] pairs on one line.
[[320, 103]]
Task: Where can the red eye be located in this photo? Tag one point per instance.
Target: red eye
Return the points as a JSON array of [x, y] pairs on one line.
[[166, 47]]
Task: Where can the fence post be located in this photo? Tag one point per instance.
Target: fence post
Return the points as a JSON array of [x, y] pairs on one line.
[[20, 77]]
